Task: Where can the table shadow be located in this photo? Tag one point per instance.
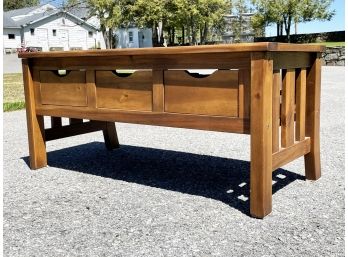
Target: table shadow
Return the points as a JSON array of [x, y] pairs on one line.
[[223, 179]]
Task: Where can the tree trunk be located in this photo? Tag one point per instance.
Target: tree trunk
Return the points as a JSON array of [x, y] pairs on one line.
[[169, 32], [161, 39], [288, 29], [193, 32], [183, 35], [201, 35], [106, 40], [105, 36], [111, 41], [287, 25], [154, 35], [173, 35], [205, 33], [280, 30]]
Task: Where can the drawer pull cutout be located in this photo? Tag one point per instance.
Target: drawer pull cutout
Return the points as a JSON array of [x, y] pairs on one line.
[[123, 73], [199, 74]]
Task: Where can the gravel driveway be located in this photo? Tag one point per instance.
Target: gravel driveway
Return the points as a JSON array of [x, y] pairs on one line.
[[171, 192]]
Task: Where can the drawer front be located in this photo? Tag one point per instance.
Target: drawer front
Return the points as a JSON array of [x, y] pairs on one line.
[[67, 90], [116, 91], [216, 94]]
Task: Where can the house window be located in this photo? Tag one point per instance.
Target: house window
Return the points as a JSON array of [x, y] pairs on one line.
[[11, 36], [54, 32], [32, 32], [90, 33], [130, 36]]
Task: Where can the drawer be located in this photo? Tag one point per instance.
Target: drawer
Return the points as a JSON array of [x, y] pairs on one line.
[[215, 94], [124, 91], [69, 89]]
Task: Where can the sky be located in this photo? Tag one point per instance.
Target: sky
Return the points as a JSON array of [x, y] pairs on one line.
[[335, 24]]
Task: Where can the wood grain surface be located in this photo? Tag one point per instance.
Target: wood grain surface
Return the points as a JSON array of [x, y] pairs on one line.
[[223, 48], [216, 94]]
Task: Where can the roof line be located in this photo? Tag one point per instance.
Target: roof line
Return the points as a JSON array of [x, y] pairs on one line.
[[57, 12]]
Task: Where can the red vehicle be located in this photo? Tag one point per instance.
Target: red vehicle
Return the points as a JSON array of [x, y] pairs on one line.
[[26, 49]]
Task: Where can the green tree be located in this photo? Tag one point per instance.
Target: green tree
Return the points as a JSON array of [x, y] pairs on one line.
[[288, 12], [211, 17], [107, 11], [198, 18], [238, 24], [151, 14], [17, 4], [109, 14]]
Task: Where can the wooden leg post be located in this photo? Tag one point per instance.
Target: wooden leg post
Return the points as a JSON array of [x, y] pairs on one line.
[[35, 123], [261, 135], [312, 159], [110, 136]]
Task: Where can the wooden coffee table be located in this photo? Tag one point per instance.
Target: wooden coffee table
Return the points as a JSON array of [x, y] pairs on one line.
[[268, 90]]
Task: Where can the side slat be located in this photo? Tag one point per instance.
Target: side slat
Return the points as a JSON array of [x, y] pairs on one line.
[[244, 93], [300, 104], [91, 89], [275, 110], [287, 108], [158, 91]]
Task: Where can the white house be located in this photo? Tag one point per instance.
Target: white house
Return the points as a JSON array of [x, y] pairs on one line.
[[133, 37], [48, 29], [246, 33]]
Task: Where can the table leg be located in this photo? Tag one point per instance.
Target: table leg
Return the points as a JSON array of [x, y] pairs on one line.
[[261, 135], [110, 136], [35, 123], [312, 159], [56, 122]]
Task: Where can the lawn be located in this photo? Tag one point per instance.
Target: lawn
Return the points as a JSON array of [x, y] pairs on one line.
[[13, 92], [330, 44]]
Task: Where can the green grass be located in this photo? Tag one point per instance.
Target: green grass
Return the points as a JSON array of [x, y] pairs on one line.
[[14, 106], [330, 44], [13, 92]]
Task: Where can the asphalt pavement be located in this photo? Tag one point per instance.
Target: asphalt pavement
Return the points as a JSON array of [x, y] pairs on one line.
[[12, 64], [171, 192]]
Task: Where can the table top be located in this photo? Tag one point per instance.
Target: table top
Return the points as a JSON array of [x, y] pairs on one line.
[[224, 48]]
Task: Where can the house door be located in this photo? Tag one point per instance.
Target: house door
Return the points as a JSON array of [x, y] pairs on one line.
[[41, 35], [141, 39], [77, 39], [63, 38]]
